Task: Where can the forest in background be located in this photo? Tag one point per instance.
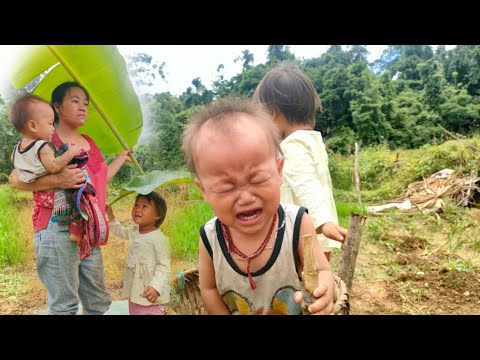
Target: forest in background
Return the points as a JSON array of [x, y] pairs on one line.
[[398, 100]]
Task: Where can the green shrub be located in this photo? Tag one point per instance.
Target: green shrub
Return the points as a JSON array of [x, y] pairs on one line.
[[341, 171]]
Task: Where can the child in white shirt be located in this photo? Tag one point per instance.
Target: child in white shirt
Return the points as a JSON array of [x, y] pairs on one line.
[[147, 271], [292, 100]]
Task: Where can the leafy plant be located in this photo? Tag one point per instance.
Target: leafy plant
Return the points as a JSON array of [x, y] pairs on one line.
[[145, 184], [451, 266]]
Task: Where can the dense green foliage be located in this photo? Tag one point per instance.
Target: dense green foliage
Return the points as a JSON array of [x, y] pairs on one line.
[[8, 138]]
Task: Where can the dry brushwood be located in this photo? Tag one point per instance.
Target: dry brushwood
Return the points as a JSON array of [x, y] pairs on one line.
[[430, 192]]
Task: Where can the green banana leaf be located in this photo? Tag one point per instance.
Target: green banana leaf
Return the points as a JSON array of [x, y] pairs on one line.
[[145, 184], [115, 117]]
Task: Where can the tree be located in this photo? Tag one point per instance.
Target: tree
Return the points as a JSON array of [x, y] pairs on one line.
[[246, 58], [8, 138], [279, 53], [358, 53], [143, 70], [368, 118], [433, 81], [199, 96], [331, 80], [402, 61], [459, 113]]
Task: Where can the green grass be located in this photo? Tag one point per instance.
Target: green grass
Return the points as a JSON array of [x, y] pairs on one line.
[[13, 283], [11, 245], [183, 228], [345, 209]]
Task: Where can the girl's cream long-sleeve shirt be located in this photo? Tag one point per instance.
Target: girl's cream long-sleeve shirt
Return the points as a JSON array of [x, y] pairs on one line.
[[148, 263], [306, 179]]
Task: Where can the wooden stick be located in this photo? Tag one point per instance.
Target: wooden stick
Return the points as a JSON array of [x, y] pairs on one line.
[[310, 268], [356, 169], [350, 249], [310, 274]]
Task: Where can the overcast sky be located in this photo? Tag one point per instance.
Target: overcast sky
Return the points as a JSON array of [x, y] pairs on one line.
[[183, 63]]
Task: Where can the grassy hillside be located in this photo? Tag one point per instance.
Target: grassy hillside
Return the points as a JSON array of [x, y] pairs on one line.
[[384, 174]]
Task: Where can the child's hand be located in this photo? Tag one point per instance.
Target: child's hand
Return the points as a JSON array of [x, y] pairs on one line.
[[150, 294], [124, 155], [70, 177], [75, 149], [110, 214], [333, 231], [322, 306]]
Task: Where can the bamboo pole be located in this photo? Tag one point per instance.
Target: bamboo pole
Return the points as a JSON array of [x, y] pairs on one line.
[[310, 274]]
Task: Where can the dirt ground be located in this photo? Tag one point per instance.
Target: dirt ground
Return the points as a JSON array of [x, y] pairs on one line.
[[413, 275], [396, 274], [32, 295]]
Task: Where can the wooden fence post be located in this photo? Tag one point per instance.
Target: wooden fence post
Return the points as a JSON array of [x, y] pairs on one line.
[[350, 249]]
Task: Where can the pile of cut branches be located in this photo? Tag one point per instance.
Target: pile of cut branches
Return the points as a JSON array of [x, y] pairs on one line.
[[431, 192]]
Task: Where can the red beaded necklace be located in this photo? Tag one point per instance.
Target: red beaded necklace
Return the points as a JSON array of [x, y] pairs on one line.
[[232, 248]]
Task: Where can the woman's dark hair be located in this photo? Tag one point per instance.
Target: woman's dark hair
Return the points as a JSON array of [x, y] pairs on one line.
[[58, 94], [160, 205]]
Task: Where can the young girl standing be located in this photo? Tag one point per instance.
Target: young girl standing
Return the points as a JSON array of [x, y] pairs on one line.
[[290, 97], [147, 272]]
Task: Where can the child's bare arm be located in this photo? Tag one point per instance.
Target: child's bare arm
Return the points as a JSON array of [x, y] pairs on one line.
[[326, 284], [212, 300], [69, 178], [55, 164]]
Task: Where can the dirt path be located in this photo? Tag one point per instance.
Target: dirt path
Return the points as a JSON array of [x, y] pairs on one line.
[[30, 295]]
